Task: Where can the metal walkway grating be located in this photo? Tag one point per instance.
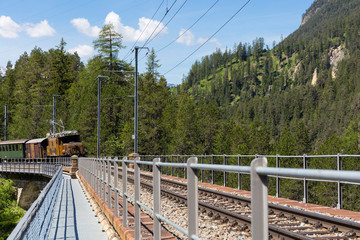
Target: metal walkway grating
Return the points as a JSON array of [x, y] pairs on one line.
[[73, 217]]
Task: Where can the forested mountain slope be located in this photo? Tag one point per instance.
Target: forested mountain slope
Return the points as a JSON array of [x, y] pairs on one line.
[[300, 96], [304, 91]]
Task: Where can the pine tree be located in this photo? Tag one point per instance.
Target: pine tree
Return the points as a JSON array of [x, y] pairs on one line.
[[109, 44]]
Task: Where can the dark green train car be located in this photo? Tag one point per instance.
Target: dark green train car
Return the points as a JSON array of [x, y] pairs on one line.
[[13, 148]]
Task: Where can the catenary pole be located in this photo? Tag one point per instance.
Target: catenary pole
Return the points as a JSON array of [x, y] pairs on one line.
[[5, 124], [98, 117], [136, 99], [54, 115], [136, 102]]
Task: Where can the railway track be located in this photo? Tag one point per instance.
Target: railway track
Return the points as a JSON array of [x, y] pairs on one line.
[[284, 222]]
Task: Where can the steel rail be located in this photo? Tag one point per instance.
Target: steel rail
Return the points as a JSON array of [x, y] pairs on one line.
[[278, 232], [275, 231]]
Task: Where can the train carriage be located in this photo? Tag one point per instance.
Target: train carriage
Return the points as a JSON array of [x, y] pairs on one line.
[[13, 148], [36, 148]]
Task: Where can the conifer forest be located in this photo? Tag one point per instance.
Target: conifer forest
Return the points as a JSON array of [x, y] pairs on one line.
[[298, 96]]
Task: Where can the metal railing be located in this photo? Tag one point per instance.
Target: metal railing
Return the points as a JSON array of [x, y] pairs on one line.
[[35, 224], [239, 180], [98, 172], [45, 169], [259, 185], [64, 161]]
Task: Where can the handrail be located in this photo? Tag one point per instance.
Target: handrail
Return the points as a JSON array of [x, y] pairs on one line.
[[334, 175], [239, 160], [98, 171], [42, 208], [64, 161]]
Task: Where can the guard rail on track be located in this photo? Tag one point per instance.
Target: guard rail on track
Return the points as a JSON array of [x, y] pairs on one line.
[[98, 172]]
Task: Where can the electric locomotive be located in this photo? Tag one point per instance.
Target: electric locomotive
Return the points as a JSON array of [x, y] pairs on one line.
[[63, 144]]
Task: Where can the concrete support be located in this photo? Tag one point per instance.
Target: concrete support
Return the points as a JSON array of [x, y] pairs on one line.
[[74, 166]]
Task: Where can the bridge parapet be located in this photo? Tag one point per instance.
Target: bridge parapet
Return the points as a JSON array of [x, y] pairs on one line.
[[36, 222], [98, 174], [45, 169]]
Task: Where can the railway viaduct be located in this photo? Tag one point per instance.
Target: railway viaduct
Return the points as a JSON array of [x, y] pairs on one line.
[[177, 197]]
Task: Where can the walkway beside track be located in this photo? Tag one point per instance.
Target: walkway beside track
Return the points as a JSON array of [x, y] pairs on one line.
[[73, 217]]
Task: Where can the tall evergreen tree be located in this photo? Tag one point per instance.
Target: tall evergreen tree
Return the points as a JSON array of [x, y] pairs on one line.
[[109, 44]]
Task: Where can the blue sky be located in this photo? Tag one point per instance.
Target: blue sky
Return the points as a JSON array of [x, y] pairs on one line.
[[25, 24]]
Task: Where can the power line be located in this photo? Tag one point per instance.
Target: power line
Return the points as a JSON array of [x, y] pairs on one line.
[[167, 23], [150, 20], [209, 37], [167, 10], [189, 27]]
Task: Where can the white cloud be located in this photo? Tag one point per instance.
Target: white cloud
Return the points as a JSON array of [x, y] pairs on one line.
[[82, 50], [83, 26], [8, 28], [213, 40], [187, 38], [131, 34], [41, 29]]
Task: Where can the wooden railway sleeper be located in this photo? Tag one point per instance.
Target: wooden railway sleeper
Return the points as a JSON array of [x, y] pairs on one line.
[[351, 234], [225, 220]]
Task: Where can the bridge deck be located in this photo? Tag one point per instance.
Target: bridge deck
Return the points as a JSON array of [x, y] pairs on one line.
[[73, 217]]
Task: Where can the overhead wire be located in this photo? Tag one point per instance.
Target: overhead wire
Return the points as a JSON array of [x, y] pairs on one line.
[[241, 8], [150, 20], [165, 26], [166, 12], [192, 25], [167, 23]]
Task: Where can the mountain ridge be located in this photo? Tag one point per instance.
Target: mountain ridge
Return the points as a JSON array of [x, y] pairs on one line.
[[313, 64]]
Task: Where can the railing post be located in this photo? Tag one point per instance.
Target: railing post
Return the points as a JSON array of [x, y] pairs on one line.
[[137, 199], [96, 162], [124, 189], [104, 182], [259, 204], [109, 182], [225, 173], [239, 174], [116, 179], [212, 171], [172, 169], [305, 200], [93, 171], [157, 198], [339, 185], [202, 171], [166, 160], [100, 177], [277, 178], [90, 170], [185, 172], [178, 169], [192, 198]]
